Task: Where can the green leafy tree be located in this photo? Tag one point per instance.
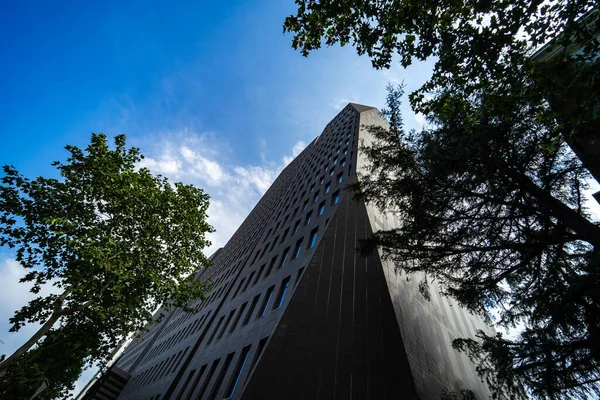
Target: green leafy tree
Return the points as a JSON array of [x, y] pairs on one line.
[[491, 208], [491, 195], [113, 239], [475, 43]]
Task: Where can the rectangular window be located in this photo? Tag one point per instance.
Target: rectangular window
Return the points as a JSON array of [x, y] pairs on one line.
[[235, 378], [296, 226], [335, 198], [298, 248], [261, 347], [260, 271], [308, 218], [322, 180], [313, 238], [248, 282], [216, 329], [213, 368], [271, 264], [343, 163], [340, 177], [284, 235], [282, 291], [238, 317], [229, 318], [322, 208], [284, 257], [251, 310], [332, 171], [238, 288], [316, 198], [263, 308], [328, 188], [335, 161], [217, 386]]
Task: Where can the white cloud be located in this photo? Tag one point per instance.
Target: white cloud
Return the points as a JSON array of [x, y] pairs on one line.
[[341, 102], [201, 160], [13, 296]]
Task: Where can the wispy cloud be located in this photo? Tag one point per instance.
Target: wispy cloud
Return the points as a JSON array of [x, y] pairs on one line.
[[234, 188]]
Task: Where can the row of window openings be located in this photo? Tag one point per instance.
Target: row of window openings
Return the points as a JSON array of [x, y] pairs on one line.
[[157, 372], [271, 245], [220, 328], [234, 381], [321, 210], [182, 335]]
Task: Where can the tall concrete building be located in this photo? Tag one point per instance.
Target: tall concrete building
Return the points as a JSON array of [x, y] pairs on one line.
[[296, 312]]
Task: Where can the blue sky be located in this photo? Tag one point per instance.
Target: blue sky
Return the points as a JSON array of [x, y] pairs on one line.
[[211, 92]]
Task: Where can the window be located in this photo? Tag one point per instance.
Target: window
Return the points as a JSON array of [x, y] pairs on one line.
[[322, 180], [217, 386], [308, 218], [312, 188], [295, 211], [313, 238], [271, 264], [235, 378], [261, 347], [216, 329], [343, 162], [238, 317], [335, 161], [328, 188], [296, 226], [248, 282], [298, 248], [322, 208], [284, 257], [340, 177], [305, 205], [282, 291], [265, 304], [335, 198], [316, 198], [251, 310], [260, 271], [284, 235], [331, 171], [213, 368], [226, 324], [274, 243]]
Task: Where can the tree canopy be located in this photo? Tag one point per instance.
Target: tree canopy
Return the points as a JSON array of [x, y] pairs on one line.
[[492, 209], [490, 195], [114, 240]]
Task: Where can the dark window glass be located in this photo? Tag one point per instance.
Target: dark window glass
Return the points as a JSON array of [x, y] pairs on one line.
[[235, 378], [251, 310], [298, 248], [313, 238], [322, 208], [284, 257], [266, 300], [217, 386], [282, 291], [335, 198]]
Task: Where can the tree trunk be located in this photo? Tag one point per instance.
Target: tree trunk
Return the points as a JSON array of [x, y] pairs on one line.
[[56, 314]]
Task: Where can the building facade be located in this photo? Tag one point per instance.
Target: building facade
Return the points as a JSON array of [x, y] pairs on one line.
[[296, 312]]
